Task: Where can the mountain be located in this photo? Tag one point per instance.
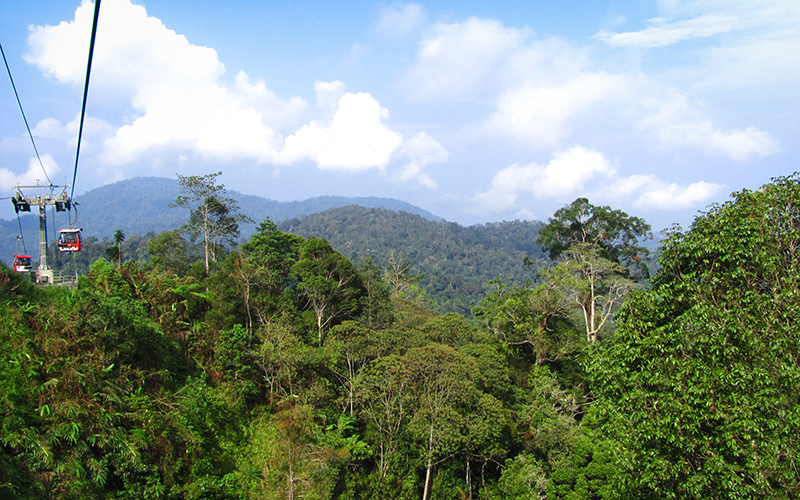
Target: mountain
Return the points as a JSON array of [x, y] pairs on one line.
[[457, 262], [141, 205]]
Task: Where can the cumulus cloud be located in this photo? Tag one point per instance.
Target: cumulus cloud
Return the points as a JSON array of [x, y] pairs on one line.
[[543, 114], [354, 140], [566, 175], [677, 123], [422, 150], [174, 88], [182, 109], [456, 60], [32, 176], [399, 20], [647, 192], [584, 172]]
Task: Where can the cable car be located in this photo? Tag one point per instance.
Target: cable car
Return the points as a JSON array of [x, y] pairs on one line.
[[69, 240], [23, 263]]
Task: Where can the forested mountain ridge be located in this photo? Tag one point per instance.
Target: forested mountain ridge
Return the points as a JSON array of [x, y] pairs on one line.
[[142, 205], [456, 262]]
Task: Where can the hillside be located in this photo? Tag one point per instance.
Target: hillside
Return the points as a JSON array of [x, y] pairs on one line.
[[457, 261], [141, 205]]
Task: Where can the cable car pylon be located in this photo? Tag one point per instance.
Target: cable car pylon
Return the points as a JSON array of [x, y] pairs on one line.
[[61, 202]]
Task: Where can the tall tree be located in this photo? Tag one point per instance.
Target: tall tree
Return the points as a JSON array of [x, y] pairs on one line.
[[593, 284], [700, 384], [598, 251], [212, 214], [615, 233], [329, 284], [115, 252]]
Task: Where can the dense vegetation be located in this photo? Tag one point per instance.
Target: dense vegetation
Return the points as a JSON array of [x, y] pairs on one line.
[[454, 263], [286, 371], [142, 205]]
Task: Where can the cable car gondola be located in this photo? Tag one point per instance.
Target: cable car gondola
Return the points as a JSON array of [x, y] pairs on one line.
[[23, 263], [69, 240]]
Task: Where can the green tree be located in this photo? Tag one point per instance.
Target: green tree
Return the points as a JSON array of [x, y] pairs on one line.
[[534, 316], [377, 311], [593, 284], [439, 376], [115, 252], [268, 257], [700, 385], [169, 252], [329, 284], [615, 233], [212, 214], [597, 251]]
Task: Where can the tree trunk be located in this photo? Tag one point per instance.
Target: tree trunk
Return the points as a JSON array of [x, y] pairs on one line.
[[429, 468]]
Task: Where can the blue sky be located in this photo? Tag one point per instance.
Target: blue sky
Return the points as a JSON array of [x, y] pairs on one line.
[[475, 111]]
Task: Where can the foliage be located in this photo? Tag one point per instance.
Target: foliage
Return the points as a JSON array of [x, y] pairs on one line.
[[289, 372], [700, 384], [454, 264], [211, 213], [614, 232]]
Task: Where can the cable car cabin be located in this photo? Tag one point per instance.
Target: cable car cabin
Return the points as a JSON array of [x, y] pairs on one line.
[[69, 240], [23, 263]]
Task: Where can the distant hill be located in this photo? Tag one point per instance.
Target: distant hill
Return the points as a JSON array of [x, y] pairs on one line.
[[141, 205], [457, 261]]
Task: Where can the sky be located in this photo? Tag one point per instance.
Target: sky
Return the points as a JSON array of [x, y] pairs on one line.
[[475, 111]]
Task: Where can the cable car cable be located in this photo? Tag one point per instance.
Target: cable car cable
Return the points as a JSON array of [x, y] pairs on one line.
[[85, 93], [30, 134], [21, 236]]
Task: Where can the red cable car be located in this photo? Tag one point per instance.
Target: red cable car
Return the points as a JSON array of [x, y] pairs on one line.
[[23, 263], [69, 240]]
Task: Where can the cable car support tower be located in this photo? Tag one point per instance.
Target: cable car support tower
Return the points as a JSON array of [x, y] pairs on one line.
[[61, 202]]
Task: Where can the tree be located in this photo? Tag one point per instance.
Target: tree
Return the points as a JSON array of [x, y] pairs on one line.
[[536, 316], [614, 232], [115, 252], [212, 214], [399, 275], [168, 251], [329, 284], [700, 384], [271, 255], [593, 284], [439, 376], [598, 252]]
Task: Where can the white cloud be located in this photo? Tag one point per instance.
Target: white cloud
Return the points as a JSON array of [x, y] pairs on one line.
[[174, 87], [584, 172], [566, 175], [748, 44], [647, 192], [457, 60], [399, 20], [422, 150], [355, 140], [543, 115], [664, 33], [32, 176], [678, 123], [184, 110]]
